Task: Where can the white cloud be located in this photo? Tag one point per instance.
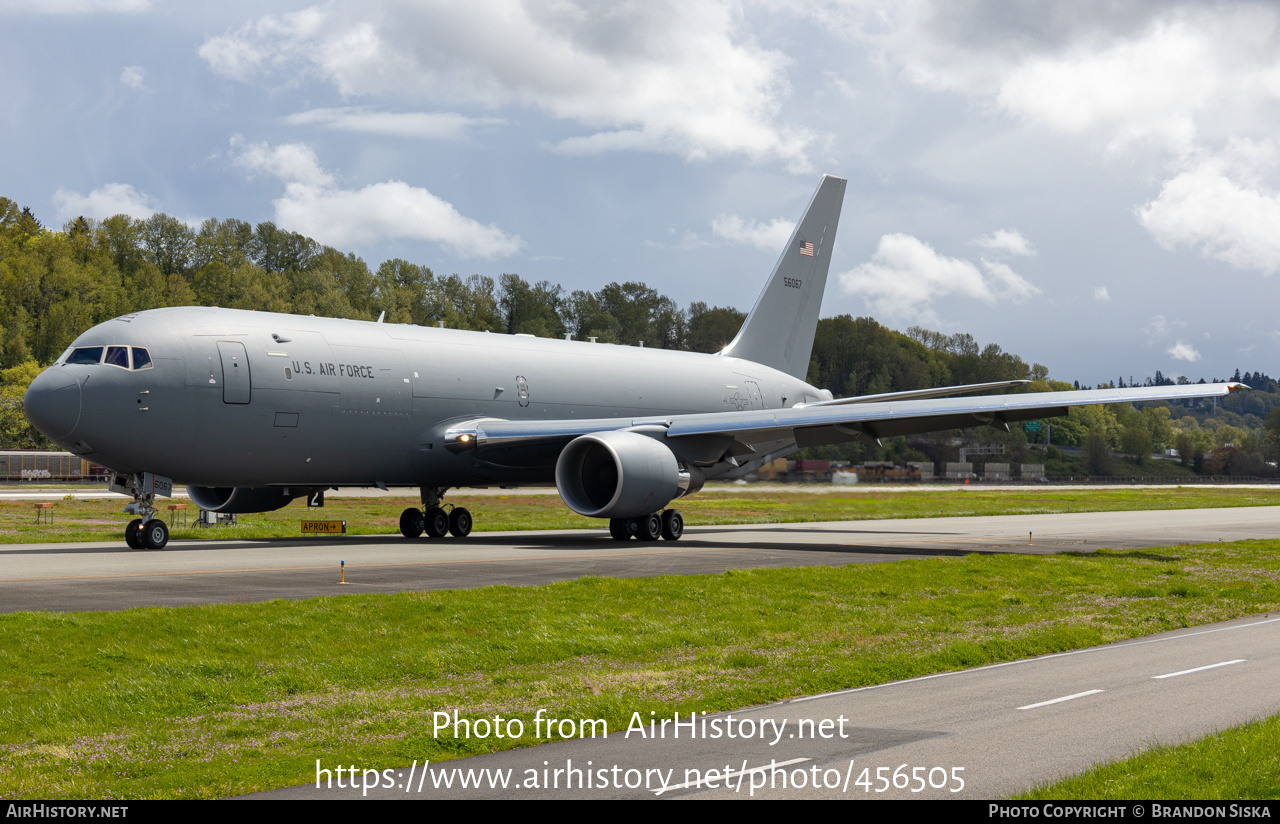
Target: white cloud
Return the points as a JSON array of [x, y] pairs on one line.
[[659, 76], [771, 236], [1006, 284], [316, 206], [906, 277], [249, 51], [388, 210], [1167, 72], [1159, 327], [106, 201], [291, 162], [1101, 295], [1209, 207], [74, 6], [1197, 82], [1008, 241], [133, 77], [428, 125], [1160, 330], [1184, 351], [1152, 86]]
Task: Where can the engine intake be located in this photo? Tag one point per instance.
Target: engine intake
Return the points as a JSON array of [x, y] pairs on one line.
[[621, 475], [242, 499]]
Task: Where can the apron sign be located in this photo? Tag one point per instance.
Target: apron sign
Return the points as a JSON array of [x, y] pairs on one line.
[[324, 527]]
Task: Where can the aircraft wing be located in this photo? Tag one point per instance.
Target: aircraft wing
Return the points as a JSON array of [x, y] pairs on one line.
[[915, 394], [750, 437]]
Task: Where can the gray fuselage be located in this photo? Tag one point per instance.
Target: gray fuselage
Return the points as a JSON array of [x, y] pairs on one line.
[[238, 398]]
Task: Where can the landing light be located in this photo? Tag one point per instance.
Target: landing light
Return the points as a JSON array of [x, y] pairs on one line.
[[460, 439]]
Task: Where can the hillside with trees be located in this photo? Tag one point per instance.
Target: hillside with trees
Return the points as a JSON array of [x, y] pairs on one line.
[[54, 284]]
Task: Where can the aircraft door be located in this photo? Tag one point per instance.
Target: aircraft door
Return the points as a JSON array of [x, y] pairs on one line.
[[236, 386], [757, 398]]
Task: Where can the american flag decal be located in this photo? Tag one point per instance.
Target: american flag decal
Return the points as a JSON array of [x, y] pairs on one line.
[[806, 249]]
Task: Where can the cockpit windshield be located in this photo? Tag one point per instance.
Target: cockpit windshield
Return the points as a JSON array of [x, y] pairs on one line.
[[86, 354], [114, 356]]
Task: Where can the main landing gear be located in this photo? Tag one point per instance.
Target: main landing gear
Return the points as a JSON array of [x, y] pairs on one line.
[[433, 519], [668, 525]]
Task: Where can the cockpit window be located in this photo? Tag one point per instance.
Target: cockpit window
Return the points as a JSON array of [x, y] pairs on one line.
[[117, 356], [86, 354], [63, 357]]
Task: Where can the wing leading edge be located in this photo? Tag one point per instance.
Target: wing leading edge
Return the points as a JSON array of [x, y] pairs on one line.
[[737, 441]]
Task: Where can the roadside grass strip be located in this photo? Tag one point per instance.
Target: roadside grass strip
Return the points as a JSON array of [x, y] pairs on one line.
[[1239, 763], [211, 701], [101, 520]]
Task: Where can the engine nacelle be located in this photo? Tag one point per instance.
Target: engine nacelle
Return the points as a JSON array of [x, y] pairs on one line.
[[621, 475], [242, 499]]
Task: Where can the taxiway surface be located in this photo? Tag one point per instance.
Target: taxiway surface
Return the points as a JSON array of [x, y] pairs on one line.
[[108, 576]]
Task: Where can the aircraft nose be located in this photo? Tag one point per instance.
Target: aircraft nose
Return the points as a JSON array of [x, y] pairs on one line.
[[52, 403]]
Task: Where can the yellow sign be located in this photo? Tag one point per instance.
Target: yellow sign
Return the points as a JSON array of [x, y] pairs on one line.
[[325, 527]]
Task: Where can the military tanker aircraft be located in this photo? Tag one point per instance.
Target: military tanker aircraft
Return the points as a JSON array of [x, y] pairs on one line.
[[251, 410]]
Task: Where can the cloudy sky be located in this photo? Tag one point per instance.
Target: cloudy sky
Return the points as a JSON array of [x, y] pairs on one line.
[[1092, 185]]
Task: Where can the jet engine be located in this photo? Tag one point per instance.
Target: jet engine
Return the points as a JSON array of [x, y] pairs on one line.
[[242, 499], [621, 475]]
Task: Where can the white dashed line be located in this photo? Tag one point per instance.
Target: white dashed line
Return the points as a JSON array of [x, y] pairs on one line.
[[1060, 700], [1200, 669]]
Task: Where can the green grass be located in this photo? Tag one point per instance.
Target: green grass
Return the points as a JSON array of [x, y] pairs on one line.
[[218, 700], [1239, 763], [77, 520]]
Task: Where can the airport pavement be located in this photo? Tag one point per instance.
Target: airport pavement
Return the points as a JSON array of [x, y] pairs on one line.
[[108, 575], [997, 729], [982, 733]]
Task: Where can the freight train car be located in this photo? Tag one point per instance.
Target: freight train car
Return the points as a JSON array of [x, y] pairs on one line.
[[38, 465]]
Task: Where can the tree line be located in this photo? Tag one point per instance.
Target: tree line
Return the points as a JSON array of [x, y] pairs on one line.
[[55, 284]]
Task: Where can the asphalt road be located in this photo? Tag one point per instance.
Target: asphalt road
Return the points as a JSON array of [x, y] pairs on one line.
[[107, 575], [982, 733]]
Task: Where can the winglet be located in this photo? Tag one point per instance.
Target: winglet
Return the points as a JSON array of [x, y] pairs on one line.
[[779, 331]]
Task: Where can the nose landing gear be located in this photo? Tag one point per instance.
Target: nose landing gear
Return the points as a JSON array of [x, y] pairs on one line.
[[148, 531], [150, 534]]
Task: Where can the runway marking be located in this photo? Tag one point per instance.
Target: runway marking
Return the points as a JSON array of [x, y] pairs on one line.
[[1022, 661], [1060, 700], [739, 774], [1199, 669]]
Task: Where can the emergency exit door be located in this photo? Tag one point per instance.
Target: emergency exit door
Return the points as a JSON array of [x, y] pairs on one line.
[[236, 387]]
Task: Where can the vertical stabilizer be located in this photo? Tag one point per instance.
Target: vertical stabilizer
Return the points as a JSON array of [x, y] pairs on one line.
[[779, 331]]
